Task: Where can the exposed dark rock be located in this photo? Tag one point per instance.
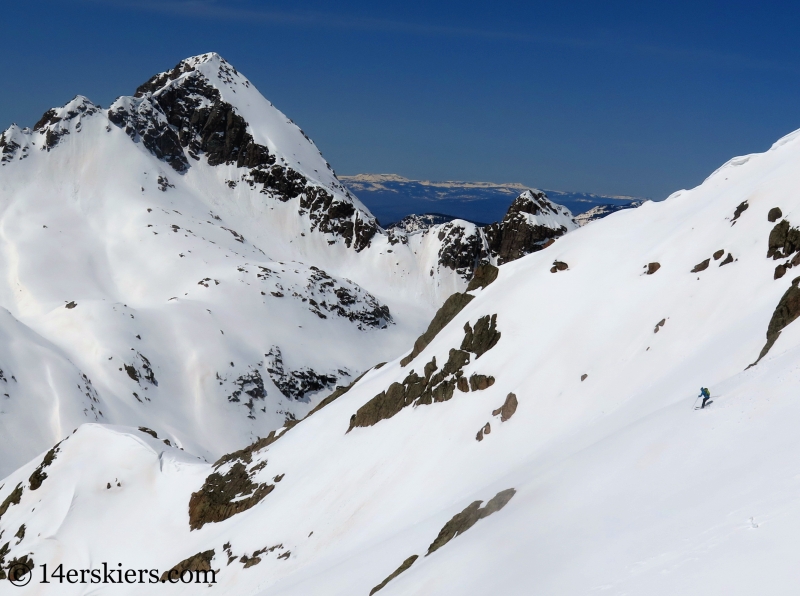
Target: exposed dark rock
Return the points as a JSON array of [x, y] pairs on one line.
[[516, 236], [462, 248], [414, 390], [255, 558], [71, 305], [741, 208], [461, 522], [788, 310], [718, 255], [652, 268], [774, 214], [19, 567], [347, 300], [436, 385], [506, 411], [221, 496], [406, 564], [659, 325], [295, 384], [3, 552], [728, 259], [150, 432], [141, 370], [252, 385], [483, 338], [783, 241], [20, 535], [485, 274], [480, 382], [198, 562], [451, 307], [485, 430], [12, 499], [558, 266], [338, 392], [144, 121], [55, 123], [207, 125], [780, 271], [584, 376], [702, 266], [39, 475]]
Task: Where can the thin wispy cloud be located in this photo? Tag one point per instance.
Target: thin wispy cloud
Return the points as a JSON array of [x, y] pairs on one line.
[[233, 11]]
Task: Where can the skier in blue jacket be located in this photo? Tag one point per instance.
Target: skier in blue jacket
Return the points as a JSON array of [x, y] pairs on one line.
[[706, 395]]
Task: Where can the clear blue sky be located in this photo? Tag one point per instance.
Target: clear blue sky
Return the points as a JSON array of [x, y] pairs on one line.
[[635, 98]]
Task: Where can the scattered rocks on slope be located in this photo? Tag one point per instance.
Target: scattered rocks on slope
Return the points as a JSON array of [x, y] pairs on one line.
[[223, 496], [406, 564], [509, 407], [787, 311], [701, 266], [652, 268], [558, 266], [463, 521], [431, 388], [774, 214], [198, 562]]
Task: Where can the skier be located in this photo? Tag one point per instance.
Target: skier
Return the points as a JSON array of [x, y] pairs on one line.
[[706, 395]]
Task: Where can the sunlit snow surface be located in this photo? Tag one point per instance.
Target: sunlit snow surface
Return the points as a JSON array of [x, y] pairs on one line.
[[622, 486]]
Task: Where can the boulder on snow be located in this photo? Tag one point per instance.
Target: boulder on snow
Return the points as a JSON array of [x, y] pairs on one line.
[[774, 214], [463, 521], [223, 496], [652, 268], [741, 208], [728, 259], [198, 562], [718, 255], [485, 430], [483, 338], [406, 564], [506, 411], [659, 325], [558, 266], [485, 273], [701, 266]]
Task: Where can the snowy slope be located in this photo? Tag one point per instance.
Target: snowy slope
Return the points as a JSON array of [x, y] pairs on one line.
[[140, 257], [620, 485]]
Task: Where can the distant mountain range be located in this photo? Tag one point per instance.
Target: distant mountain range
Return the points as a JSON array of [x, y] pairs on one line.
[[391, 198]]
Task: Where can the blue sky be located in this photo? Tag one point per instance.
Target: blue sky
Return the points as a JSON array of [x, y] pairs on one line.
[[636, 98]]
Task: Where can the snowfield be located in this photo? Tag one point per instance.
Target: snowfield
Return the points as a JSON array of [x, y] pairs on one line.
[[540, 438]]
